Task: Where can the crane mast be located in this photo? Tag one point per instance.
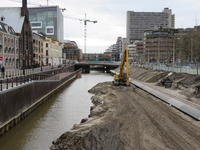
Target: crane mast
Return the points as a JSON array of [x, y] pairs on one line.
[[85, 30], [85, 34]]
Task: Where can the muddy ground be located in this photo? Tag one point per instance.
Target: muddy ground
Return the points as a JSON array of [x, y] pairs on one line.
[[127, 118]]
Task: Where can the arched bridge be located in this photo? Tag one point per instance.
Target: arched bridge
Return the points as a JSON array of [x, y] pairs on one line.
[[100, 65]]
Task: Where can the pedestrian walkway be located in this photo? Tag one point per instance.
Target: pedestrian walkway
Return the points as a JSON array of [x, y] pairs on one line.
[[172, 93], [192, 109]]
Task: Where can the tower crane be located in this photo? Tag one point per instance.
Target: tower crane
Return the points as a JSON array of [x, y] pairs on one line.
[[85, 30]]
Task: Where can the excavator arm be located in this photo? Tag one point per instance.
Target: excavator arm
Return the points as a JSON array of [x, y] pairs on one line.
[[123, 78]]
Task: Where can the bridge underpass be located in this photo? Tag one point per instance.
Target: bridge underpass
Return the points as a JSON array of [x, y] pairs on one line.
[[86, 67]]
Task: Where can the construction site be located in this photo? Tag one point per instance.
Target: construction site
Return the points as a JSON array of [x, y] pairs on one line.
[[129, 117]]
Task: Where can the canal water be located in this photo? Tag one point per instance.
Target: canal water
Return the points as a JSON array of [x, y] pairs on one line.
[[55, 116]]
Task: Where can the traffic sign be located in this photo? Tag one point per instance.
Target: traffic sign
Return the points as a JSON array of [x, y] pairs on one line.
[[1, 58]]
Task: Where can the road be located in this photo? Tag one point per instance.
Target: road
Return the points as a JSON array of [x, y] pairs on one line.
[[126, 118]]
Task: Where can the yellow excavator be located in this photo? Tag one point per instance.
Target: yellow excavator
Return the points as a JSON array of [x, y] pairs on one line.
[[123, 77]]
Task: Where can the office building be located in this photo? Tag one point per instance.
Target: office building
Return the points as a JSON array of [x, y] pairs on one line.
[[138, 22], [158, 44], [48, 20]]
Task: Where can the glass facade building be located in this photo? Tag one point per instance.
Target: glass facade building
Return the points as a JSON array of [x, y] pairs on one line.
[[48, 20]]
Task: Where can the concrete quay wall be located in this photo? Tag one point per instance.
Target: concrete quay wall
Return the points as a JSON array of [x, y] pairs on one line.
[[16, 103]]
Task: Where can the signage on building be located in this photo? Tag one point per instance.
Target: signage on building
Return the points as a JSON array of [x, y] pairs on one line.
[[1, 60]]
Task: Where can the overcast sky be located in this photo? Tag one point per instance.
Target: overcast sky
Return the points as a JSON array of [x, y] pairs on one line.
[[111, 17]]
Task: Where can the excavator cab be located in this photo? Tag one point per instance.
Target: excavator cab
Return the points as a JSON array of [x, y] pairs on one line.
[[123, 77]]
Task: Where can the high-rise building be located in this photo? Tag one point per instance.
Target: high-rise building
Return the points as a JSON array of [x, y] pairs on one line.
[[48, 20], [138, 22]]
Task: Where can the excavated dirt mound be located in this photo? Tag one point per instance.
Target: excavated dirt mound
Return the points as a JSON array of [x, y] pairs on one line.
[[127, 118], [189, 85]]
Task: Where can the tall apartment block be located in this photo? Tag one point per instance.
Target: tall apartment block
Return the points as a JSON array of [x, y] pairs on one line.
[[138, 22], [48, 20]]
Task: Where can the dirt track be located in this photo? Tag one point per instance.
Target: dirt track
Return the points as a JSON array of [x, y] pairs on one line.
[[127, 118]]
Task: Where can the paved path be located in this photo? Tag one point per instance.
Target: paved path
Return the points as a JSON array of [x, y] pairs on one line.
[[172, 93]]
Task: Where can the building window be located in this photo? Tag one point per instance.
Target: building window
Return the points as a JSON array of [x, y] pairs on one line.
[[9, 62], [8, 40], [5, 40], [11, 41], [46, 44], [12, 50], [13, 62], [5, 50], [36, 24], [16, 51], [16, 43], [34, 41], [6, 62], [0, 38], [50, 30], [46, 52], [9, 50]]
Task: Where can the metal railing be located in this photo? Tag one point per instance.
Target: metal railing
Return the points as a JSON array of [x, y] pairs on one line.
[[9, 82], [18, 72], [190, 69]]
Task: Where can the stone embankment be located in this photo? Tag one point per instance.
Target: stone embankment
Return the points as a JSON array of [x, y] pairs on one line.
[[125, 118]]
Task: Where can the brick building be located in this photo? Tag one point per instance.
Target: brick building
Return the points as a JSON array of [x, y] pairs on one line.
[[18, 19], [71, 51], [9, 47], [38, 48]]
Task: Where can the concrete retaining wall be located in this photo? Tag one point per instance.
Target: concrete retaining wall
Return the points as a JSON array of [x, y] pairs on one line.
[[18, 102]]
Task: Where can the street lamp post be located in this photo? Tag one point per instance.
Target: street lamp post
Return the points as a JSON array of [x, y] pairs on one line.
[[148, 55], [24, 65], [191, 48], [173, 54], [41, 63], [52, 62]]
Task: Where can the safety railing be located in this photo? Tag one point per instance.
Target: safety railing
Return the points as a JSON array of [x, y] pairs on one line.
[[9, 82]]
